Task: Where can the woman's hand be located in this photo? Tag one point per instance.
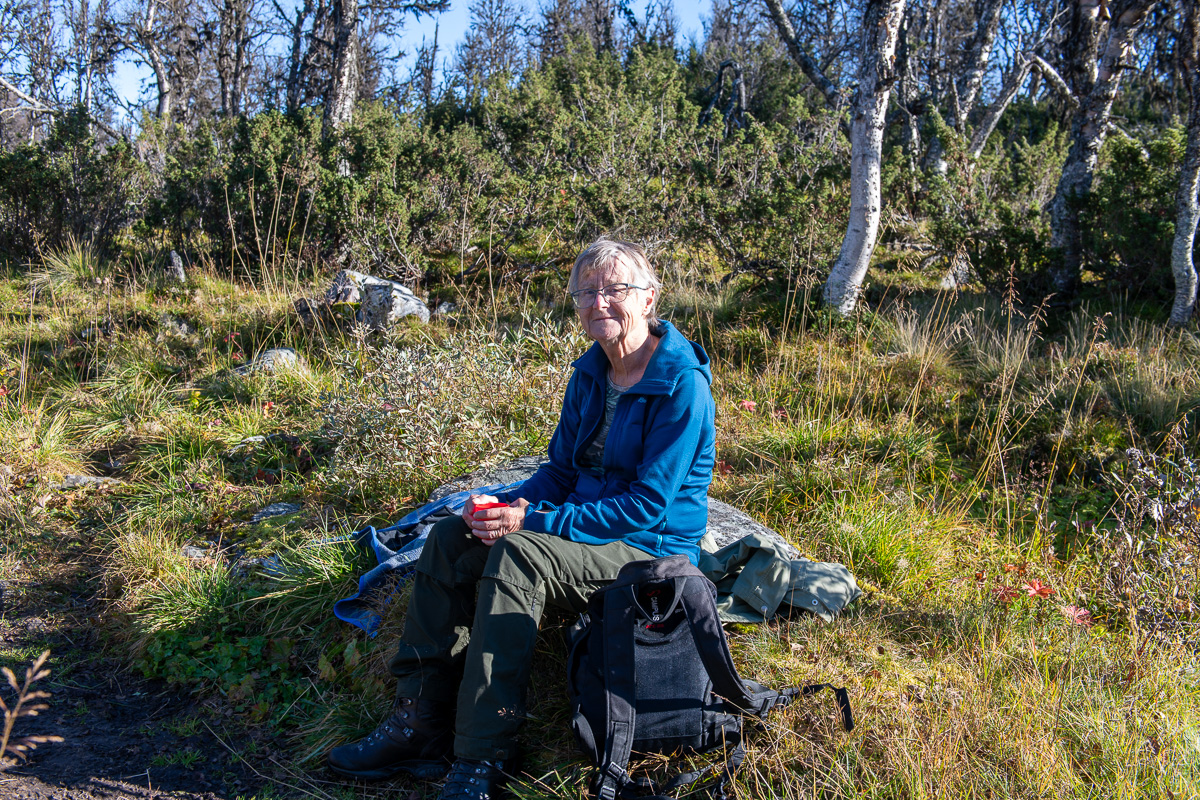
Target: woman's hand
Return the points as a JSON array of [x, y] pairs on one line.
[[489, 524]]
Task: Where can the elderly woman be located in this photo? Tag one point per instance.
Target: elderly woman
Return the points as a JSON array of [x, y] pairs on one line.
[[628, 474]]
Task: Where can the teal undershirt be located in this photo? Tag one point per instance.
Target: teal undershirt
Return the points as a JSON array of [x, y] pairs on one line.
[[593, 457]]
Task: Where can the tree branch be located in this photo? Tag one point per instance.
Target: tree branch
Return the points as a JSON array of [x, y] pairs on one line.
[[1054, 79], [807, 65], [41, 108]]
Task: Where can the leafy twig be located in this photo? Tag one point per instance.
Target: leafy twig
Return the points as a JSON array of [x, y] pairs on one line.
[[27, 704]]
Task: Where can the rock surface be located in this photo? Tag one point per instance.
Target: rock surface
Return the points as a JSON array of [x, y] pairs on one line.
[[83, 481], [275, 510], [277, 359], [383, 301], [384, 304], [174, 271], [726, 524]]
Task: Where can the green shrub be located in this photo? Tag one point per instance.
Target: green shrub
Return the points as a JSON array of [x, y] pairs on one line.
[[68, 190], [1129, 220]]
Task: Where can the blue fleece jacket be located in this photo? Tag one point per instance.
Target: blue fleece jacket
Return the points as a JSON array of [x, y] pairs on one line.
[[658, 458]]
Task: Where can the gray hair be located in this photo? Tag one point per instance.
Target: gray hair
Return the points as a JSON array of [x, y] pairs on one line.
[[603, 253]]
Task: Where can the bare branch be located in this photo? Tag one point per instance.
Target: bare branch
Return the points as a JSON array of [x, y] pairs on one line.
[[806, 63], [1054, 79]]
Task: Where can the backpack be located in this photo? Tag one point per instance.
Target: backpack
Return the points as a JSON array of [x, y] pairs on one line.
[[649, 671]]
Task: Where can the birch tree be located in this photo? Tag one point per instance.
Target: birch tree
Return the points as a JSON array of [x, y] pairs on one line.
[[880, 28], [345, 76], [1099, 40], [1187, 203]]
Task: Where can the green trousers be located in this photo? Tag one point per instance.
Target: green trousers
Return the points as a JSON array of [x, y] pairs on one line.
[[479, 650]]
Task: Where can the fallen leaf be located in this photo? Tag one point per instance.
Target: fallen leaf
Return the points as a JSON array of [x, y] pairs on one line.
[[1005, 594], [1077, 615], [1035, 588]]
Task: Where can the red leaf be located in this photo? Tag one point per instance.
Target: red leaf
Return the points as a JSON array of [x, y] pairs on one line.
[[1077, 615], [1035, 588]]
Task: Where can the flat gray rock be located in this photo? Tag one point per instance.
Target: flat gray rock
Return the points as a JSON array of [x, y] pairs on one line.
[[275, 510], [726, 524], [83, 481], [191, 551]]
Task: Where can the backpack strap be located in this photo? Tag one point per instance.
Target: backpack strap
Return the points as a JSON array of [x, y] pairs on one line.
[[701, 611], [618, 621], [839, 693]]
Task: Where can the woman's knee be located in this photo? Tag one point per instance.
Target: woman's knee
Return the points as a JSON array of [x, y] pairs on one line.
[[514, 558]]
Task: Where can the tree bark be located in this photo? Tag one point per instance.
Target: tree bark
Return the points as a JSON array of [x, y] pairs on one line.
[[233, 39], [343, 84], [880, 30], [162, 74], [1095, 83], [1187, 200]]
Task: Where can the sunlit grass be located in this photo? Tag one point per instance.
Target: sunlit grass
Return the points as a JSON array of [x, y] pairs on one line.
[[937, 448]]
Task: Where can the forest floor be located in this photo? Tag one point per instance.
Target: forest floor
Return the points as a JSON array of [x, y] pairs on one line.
[[1017, 497]]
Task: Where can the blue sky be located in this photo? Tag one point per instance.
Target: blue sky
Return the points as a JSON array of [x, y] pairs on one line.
[[451, 27]]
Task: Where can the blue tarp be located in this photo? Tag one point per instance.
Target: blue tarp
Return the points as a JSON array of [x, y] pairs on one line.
[[396, 549]]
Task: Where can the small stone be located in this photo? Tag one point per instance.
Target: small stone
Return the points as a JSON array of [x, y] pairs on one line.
[[83, 481], [275, 510], [277, 359], [174, 271], [191, 551], [443, 308]]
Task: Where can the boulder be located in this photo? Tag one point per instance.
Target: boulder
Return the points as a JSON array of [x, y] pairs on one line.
[[382, 301], [386, 303], [726, 524]]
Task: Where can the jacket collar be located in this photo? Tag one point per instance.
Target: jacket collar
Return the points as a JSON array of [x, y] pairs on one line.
[[673, 356]]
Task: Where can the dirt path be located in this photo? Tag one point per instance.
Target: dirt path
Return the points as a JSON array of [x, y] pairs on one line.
[[123, 736]]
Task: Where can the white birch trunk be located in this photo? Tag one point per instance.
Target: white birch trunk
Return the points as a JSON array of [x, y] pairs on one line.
[[1187, 200], [1088, 132], [344, 80], [881, 27]]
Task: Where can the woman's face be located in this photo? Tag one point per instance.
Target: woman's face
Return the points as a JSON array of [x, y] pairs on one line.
[[609, 322]]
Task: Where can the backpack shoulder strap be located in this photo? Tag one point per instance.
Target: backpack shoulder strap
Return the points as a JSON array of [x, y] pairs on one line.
[[619, 686], [701, 609]]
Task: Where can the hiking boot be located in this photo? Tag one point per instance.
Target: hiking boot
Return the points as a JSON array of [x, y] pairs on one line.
[[416, 739], [475, 780]]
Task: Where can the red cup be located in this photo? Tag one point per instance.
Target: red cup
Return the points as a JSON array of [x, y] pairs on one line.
[[481, 506]]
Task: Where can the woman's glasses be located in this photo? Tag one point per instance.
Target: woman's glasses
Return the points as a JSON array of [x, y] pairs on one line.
[[613, 293]]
